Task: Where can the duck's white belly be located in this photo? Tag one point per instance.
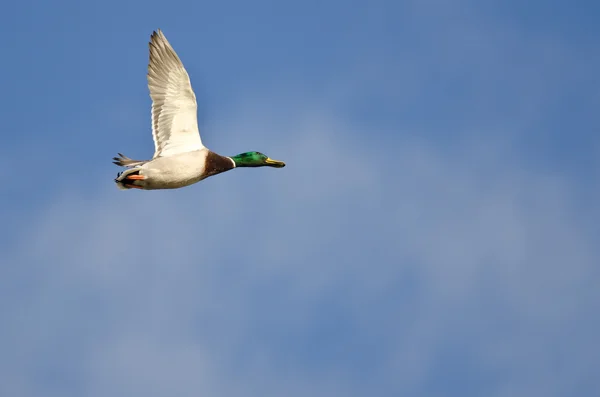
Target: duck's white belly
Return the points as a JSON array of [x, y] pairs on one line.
[[174, 171]]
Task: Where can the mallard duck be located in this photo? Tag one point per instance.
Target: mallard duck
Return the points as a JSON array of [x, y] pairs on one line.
[[180, 159]]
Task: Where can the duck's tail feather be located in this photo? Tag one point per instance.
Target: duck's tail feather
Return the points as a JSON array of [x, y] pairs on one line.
[[125, 161]]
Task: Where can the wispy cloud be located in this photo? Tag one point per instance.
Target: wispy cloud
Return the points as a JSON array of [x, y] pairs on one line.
[[403, 260]]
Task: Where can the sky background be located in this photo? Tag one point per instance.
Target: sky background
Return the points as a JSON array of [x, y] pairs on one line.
[[435, 231]]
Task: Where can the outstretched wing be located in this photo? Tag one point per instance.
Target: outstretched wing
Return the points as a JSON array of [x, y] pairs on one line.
[[174, 108]]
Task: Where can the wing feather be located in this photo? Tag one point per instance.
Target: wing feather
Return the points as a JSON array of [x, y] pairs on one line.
[[174, 107]]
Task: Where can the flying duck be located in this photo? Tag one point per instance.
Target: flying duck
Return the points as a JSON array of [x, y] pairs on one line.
[[180, 159]]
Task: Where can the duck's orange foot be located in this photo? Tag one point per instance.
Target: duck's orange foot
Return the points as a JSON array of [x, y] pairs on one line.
[[132, 186], [135, 177]]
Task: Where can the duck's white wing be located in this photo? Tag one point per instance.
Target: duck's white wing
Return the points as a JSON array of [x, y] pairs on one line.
[[174, 108]]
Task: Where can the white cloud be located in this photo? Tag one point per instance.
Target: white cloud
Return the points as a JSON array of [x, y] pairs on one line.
[[212, 288]]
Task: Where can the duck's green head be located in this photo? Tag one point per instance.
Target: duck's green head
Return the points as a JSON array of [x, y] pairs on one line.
[[256, 159]]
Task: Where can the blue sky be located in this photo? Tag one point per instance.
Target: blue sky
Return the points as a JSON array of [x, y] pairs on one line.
[[435, 231]]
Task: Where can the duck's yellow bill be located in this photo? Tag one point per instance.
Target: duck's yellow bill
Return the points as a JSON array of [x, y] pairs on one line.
[[274, 163]]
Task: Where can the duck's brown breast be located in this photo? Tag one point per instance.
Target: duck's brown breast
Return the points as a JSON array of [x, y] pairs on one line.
[[215, 164]]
